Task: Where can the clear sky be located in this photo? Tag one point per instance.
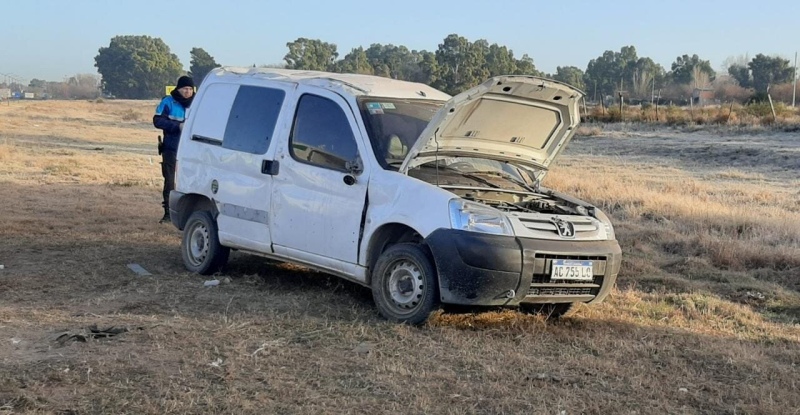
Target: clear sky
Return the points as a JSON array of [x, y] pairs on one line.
[[51, 39]]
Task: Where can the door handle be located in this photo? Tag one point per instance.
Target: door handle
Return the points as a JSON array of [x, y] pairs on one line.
[[270, 167]]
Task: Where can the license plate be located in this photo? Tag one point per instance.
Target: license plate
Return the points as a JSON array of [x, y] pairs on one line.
[[568, 269]]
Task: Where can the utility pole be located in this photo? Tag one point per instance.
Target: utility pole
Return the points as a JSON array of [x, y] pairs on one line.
[[794, 80], [621, 99], [658, 99], [771, 105], [653, 94]]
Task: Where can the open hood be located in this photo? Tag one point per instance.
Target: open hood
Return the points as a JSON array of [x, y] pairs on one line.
[[522, 119]]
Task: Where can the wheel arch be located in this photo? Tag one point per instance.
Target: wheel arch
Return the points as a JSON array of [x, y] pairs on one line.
[[190, 203], [385, 236]]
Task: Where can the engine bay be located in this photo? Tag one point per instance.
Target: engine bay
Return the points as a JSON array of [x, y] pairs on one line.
[[542, 202]]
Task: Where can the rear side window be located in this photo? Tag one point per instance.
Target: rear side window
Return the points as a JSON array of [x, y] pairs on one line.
[[252, 119], [322, 135]]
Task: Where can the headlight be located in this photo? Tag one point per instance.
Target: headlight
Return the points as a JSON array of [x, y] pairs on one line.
[[475, 217], [606, 222]]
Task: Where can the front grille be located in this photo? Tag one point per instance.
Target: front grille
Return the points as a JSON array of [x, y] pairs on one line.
[[542, 284], [562, 291], [583, 227]]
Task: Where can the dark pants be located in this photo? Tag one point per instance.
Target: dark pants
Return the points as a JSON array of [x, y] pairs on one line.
[[168, 171]]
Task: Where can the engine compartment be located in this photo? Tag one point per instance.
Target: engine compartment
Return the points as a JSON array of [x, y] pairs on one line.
[[541, 202], [498, 187]]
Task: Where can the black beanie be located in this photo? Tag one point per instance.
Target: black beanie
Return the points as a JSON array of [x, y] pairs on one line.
[[184, 81]]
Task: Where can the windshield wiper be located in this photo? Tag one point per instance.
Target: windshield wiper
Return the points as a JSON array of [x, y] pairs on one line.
[[520, 207], [464, 174], [510, 178]]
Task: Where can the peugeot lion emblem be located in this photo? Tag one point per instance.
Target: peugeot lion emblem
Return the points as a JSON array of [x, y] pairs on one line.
[[565, 229]]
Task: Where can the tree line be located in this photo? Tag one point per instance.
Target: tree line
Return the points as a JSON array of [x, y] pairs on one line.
[[139, 67], [79, 86]]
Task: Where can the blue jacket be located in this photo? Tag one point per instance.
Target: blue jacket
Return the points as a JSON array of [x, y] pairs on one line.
[[169, 115]]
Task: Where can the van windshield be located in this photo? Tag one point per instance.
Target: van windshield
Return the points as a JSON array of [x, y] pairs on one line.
[[394, 125]]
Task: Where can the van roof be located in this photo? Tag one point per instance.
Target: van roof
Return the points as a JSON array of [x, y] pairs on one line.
[[353, 84]]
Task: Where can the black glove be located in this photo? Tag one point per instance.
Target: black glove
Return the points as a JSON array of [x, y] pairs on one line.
[[160, 146]]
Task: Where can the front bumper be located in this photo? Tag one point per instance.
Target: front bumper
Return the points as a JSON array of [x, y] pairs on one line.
[[494, 270]]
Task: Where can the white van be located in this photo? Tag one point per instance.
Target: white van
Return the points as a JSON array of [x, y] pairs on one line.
[[423, 197]]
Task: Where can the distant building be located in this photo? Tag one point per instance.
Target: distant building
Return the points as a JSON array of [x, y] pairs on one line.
[[5, 93], [703, 96]]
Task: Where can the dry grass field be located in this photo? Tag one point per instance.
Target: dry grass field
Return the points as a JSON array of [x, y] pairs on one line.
[[705, 317], [730, 114]]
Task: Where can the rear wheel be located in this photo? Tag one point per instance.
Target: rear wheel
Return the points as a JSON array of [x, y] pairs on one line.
[[549, 311], [200, 247], [404, 284]]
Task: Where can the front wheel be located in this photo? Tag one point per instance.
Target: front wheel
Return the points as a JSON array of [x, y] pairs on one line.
[[404, 284], [200, 247]]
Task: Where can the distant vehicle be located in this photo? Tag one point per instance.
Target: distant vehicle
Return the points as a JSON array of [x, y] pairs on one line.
[[423, 197]]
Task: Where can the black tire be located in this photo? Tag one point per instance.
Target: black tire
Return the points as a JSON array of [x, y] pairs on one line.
[[549, 311], [404, 285], [200, 246]]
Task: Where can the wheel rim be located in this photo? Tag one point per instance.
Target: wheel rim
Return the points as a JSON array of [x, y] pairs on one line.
[[198, 245], [404, 285]]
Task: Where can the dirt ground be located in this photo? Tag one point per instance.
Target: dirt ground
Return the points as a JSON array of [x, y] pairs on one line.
[[705, 318]]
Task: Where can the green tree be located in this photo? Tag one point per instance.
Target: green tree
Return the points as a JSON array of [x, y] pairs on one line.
[[428, 68], [201, 64], [37, 83], [418, 66], [137, 67], [691, 70], [311, 54], [570, 75], [769, 70], [390, 61], [478, 52], [500, 60], [612, 70], [376, 56], [741, 73], [460, 64], [525, 66], [354, 62]]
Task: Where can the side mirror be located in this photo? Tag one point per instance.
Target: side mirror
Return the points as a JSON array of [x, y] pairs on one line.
[[354, 167]]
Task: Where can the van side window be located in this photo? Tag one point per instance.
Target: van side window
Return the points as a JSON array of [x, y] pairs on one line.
[[212, 113], [252, 120], [321, 134]]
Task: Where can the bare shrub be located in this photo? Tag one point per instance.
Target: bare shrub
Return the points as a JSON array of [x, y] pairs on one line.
[[761, 109], [723, 116], [782, 92], [676, 116], [731, 92], [614, 114]]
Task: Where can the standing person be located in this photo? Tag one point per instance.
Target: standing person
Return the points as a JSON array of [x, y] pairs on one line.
[[170, 114]]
